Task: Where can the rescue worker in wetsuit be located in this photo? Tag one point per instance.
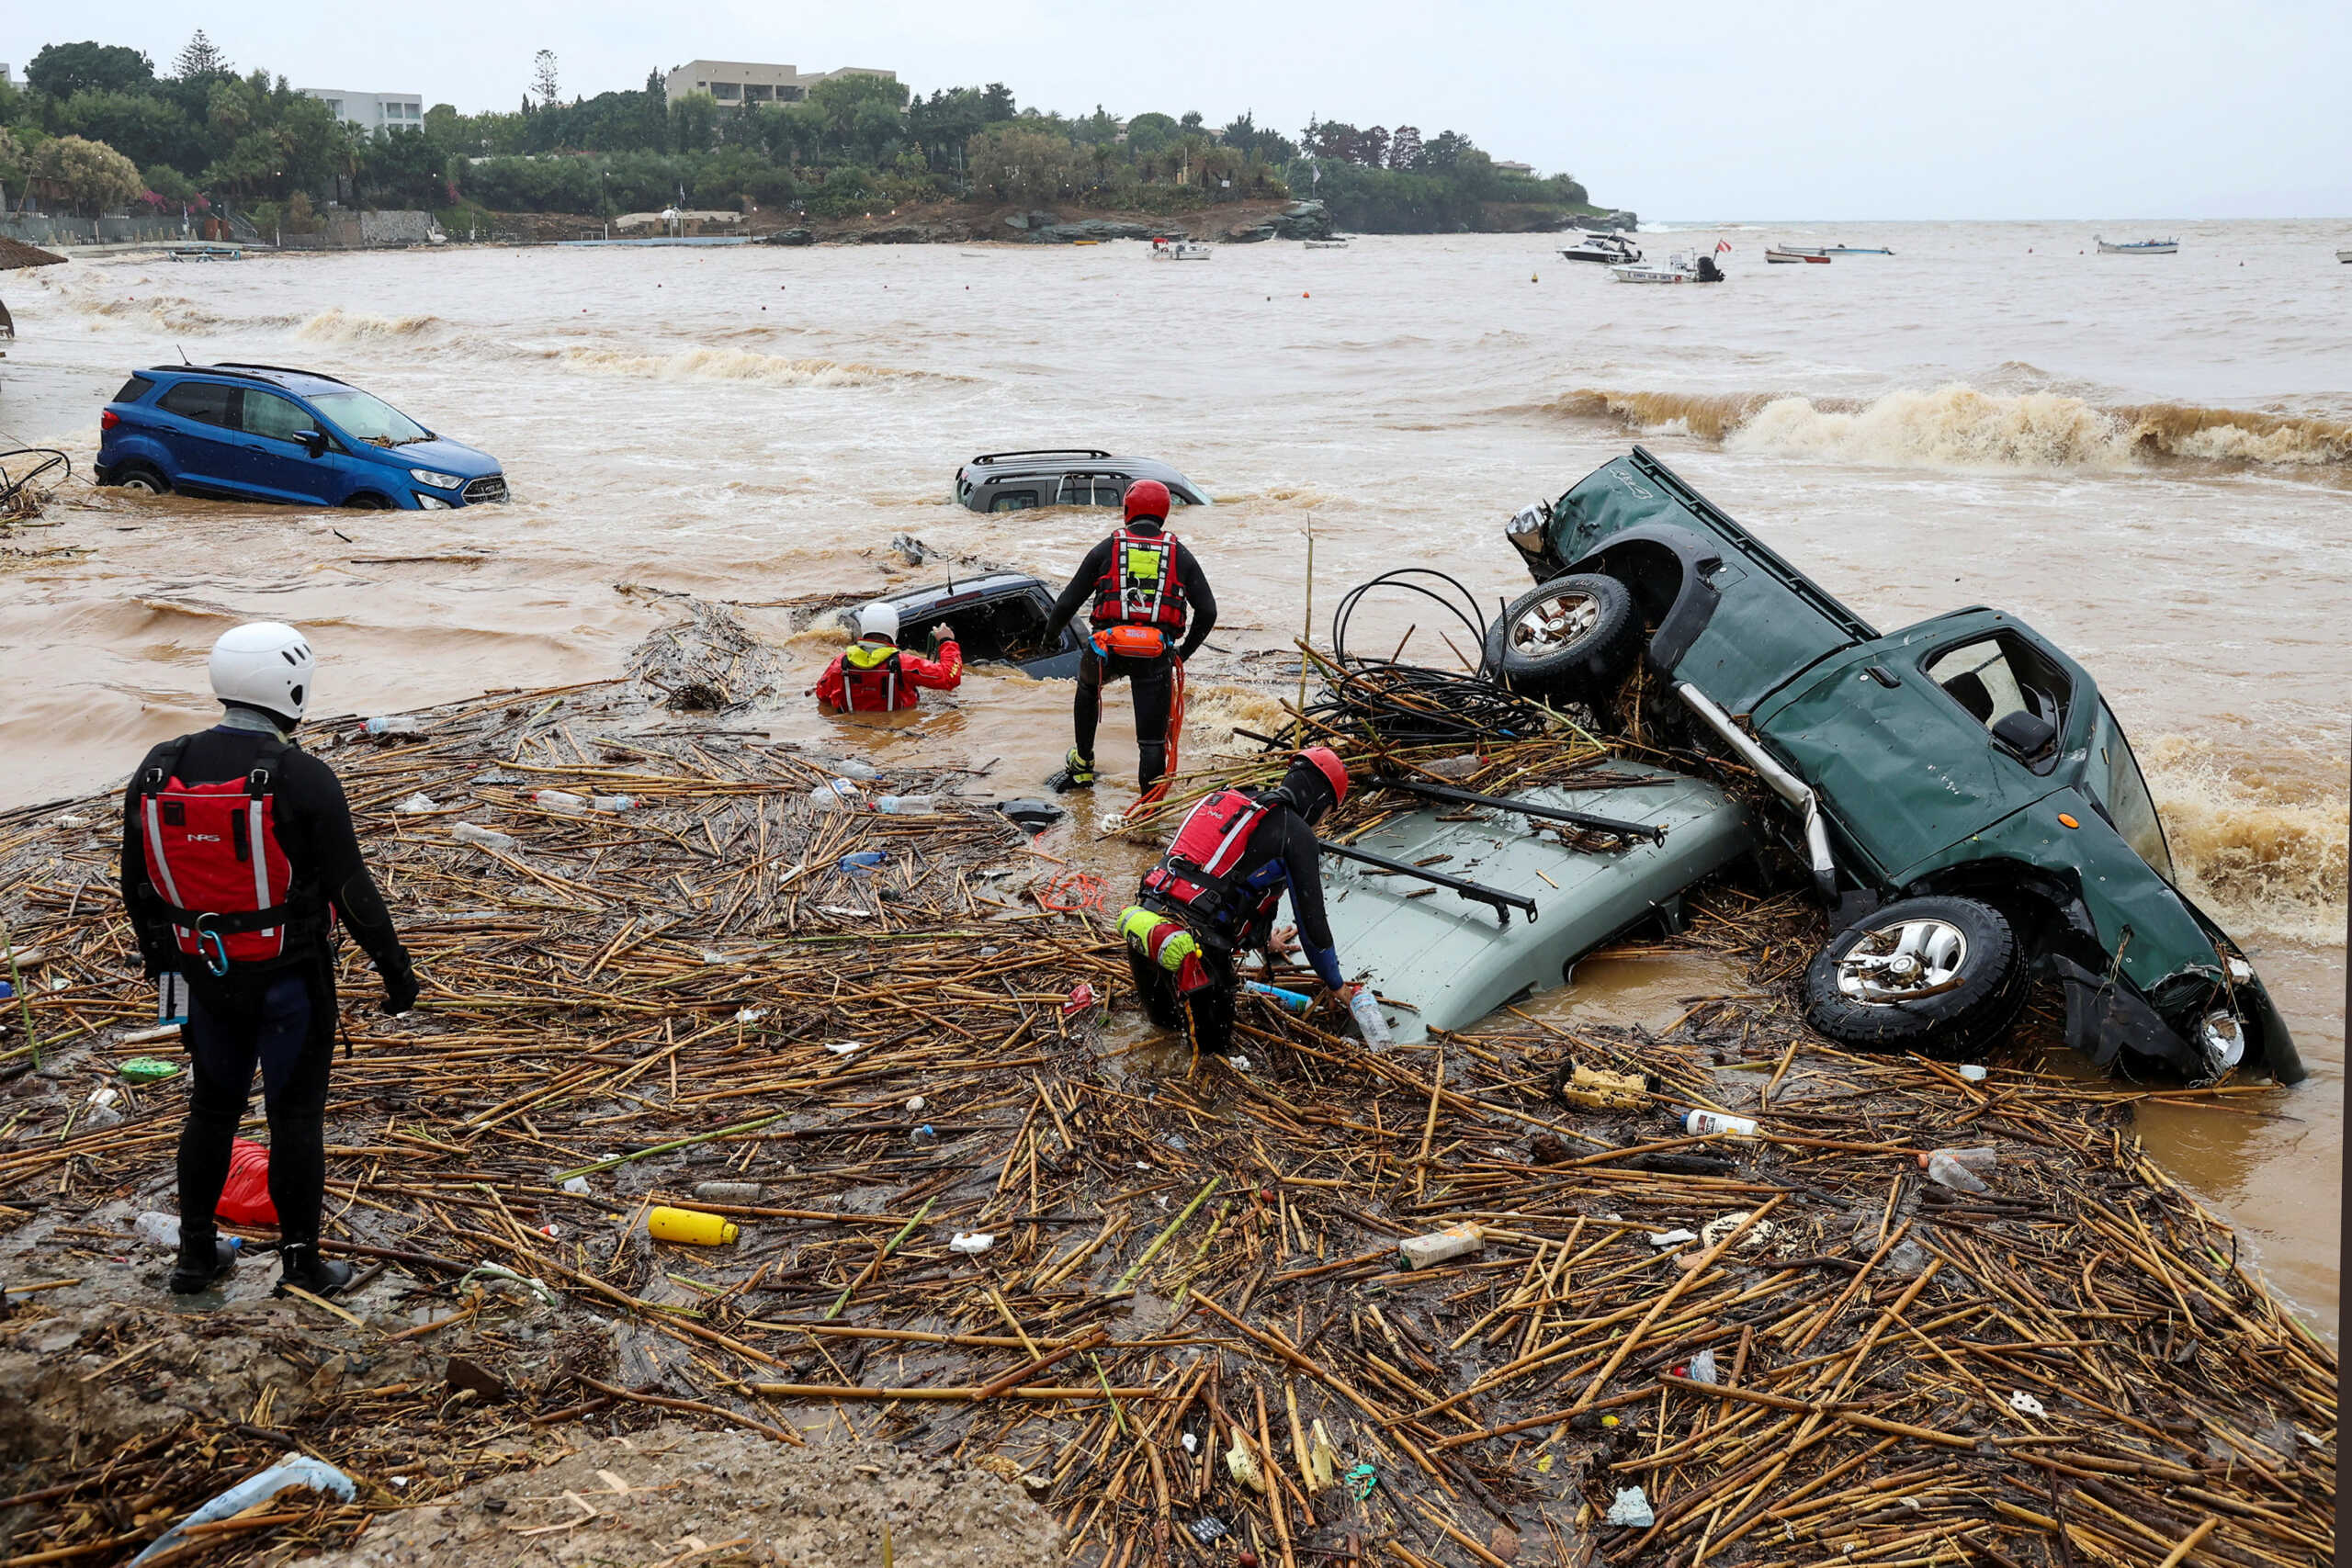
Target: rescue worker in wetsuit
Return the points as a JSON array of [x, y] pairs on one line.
[[1147, 593], [238, 853], [874, 675], [1214, 894]]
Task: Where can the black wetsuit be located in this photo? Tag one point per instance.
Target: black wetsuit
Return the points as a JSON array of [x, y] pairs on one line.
[[1153, 679], [279, 1014]]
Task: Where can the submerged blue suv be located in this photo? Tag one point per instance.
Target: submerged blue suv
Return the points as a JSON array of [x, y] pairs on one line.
[[261, 433]]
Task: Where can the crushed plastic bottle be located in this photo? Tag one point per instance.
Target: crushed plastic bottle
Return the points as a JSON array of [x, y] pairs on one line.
[[924, 1137], [1632, 1508], [864, 862], [1946, 1171], [562, 801], [907, 805], [158, 1230], [488, 838], [728, 1192], [1982, 1157], [416, 806], [851, 768], [578, 1186], [395, 725], [837, 794], [1370, 1022]]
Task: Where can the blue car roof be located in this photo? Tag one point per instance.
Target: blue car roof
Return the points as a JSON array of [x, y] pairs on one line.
[[280, 375]]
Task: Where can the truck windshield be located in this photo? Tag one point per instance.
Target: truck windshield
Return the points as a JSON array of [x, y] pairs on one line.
[[2114, 777], [365, 418]]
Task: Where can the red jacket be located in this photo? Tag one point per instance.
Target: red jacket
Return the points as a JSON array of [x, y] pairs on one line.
[[877, 677]]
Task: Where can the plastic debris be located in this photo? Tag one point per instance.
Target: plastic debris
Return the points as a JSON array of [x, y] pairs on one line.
[[578, 1187], [690, 1226], [1715, 1124], [1702, 1367], [1438, 1246], [1589, 1088], [395, 725], [851, 768], [864, 862], [837, 794], [301, 1470], [1715, 1230], [1296, 1001], [1205, 1528], [488, 838], [924, 1137], [1361, 1481], [416, 806], [1033, 816], [546, 1297], [1081, 996], [750, 1015], [907, 805], [2026, 1404], [971, 1244], [1946, 1171], [158, 1230], [1242, 1464], [1672, 1238], [1192, 1444], [562, 801], [728, 1192], [845, 1047], [147, 1069], [1972, 1073], [915, 1102], [1631, 1508], [1371, 1024]]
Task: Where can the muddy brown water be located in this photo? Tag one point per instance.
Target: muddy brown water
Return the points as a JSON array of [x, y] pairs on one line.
[[2150, 460]]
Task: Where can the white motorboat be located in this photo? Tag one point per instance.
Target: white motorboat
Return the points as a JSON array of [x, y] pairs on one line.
[[1679, 267], [1179, 249], [1780, 255], [2344, 256], [1608, 249], [1325, 245], [2138, 248]]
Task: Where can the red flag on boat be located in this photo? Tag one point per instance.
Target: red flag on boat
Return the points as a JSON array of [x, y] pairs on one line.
[[1721, 245]]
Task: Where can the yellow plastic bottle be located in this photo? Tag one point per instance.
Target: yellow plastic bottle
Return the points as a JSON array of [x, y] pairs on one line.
[[689, 1226]]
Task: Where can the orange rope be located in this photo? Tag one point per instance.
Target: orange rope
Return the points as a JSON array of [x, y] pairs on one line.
[[1070, 891], [1158, 790]]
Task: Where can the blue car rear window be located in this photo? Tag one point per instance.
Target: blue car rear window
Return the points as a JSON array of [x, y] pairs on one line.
[[133, 389]]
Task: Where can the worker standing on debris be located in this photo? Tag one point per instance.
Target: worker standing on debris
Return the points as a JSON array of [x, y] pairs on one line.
[[1148, 591], [1214, 894], [874, 675], [238, 852]]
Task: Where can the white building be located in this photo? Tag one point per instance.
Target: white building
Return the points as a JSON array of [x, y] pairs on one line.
[[373, 112], [735, 83]]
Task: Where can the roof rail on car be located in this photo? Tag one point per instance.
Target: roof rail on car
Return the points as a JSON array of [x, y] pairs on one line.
[[1043, 452], [274, 369]]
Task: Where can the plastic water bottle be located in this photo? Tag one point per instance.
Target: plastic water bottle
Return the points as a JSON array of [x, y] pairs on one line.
[[1370, 1022], [1296, 1001], [907, 805], [864, 863], [1716, 1124], [614, 802], [1944, 1171], [851, 768], [401, 725], [924, 1137], [488, 838], [560, 801], [161, 1231]]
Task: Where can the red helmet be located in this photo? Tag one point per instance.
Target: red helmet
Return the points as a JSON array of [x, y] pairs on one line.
[[1147, 498], [1327, 761]]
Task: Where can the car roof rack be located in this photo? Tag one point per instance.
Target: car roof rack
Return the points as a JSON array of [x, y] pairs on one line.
[[277, 370], [1043, 452]]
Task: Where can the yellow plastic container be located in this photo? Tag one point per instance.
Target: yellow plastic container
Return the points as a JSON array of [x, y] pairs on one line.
[[689, 1226]]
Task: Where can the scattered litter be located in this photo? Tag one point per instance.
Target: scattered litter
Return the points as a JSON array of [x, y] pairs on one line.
[[1589, 1088], [845, 1047], [1440, 1247], [1972, 1073], [302, 1471], [1631, 1508], [728, 1192], [1371, 1024], [578, 1186], [415, 805], [1716, 1124], [1715, 1230], [1081, 996], [2026, 1404], [971, 1244], [1672, 1238], [1907, 1258], [70, 821], [393, 725], [907, 805], [1362, 1480], [837, 794], [488, 838], [864, 862], [914, 1102], [750, 1015], [851, 768], [1945, 1170], [147, 1069], [1205, 1528], [1036, 816], [924, 1137], [1702, 1367], [1192, 1444]]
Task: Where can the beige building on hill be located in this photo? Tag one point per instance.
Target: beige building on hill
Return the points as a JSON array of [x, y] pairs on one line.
[[737, 82]]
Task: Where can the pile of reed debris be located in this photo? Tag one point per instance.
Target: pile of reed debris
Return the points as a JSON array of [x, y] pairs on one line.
[[1190, 1336]]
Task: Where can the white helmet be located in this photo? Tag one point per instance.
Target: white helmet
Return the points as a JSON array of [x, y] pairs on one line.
[[878, 619], [266, 663]]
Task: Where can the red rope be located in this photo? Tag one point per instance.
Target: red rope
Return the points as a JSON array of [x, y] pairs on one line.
[[1158, 790]]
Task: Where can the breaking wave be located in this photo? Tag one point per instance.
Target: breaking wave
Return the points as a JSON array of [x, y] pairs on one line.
[[1213, 713], [336, 325], [1957, 426], [2261, 848], [736, 365]]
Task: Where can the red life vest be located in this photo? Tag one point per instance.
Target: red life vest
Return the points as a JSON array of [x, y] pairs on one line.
[[213, 856], [1140, 588], [872, 688], [1197, 873]]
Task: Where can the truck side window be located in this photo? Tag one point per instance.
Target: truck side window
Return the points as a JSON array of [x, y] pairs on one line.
[[1996, 676], [277, 418], [2122, 793], [207, 402]]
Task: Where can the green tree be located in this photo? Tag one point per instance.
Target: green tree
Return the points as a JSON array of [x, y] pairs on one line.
[[544, 83], [849, 103], [175, 188], [62, 69], [145, 130], [694, 120], [1015, 162], [90, 175], [199, 57], [1150, 134]]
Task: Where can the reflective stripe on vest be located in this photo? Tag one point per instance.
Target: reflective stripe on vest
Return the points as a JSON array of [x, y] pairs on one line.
[[1151, 596], [213, 854], [1197, 872], [856, 674]]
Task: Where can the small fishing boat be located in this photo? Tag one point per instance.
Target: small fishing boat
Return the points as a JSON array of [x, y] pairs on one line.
[[1325, 245], [1613, 250], [2344, 256], [207, 253], [1177, 248], [2138, 248], [1785, 255], [1679, 267], [1856, 251]]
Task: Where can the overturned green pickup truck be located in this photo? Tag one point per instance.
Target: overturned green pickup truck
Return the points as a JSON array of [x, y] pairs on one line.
[[1962, 798]]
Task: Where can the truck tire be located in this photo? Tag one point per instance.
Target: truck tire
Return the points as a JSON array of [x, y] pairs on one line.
[[1570, 640], [1937, 973], [142, 479]]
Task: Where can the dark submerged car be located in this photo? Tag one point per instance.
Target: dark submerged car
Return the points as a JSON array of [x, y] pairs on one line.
[[1073, 476], [1963, 798], [996, 617]]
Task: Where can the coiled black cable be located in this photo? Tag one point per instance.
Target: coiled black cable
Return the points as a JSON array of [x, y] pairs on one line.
[[13, 485]]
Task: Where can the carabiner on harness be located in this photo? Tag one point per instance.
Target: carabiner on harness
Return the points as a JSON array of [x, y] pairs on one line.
[[215, 951]]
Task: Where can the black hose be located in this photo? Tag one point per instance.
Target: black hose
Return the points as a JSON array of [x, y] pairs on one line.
[[12, 485]]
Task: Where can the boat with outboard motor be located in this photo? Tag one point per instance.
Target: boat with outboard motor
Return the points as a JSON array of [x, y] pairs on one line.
[[2138, 247], [1679, 267], [1613, 250], [1177, 248], [1787, 255]]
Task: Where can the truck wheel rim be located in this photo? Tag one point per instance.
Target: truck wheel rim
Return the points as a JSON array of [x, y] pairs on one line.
[[2224, 1038], [1554, 622], [1903, 963]]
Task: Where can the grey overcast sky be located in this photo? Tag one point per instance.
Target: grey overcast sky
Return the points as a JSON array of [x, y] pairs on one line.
[[1680, 109]]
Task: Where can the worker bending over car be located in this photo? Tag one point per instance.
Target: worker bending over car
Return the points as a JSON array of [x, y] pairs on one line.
[[1147, 593], [238, 852], [1214, 891], [873, 674]]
